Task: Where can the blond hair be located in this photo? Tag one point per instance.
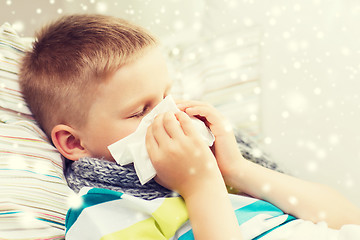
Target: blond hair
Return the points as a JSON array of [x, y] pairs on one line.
[[70, 58]]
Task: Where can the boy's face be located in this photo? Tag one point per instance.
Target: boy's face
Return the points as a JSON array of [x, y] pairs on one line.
[[123, 100]]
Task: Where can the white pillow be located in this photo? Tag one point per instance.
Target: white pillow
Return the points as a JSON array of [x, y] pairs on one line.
[[33, 191], [223, 70]]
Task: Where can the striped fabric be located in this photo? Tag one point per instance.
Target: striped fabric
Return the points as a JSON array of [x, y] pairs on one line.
[[12, 48], [105, 214], [100, 214], [33, 191]]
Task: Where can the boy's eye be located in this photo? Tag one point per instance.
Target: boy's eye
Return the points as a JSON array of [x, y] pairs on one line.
[[140, 114]]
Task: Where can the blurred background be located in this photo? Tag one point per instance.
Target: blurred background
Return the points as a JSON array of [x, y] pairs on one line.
[[285, 71]]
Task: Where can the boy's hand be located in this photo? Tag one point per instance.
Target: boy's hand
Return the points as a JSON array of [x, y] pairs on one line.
[[225, 148], [183, 161]]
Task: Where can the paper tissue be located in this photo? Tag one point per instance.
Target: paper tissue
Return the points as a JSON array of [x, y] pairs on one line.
[[133, 149]]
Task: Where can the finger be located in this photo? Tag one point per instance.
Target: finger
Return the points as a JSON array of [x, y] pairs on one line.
[[172, 125], [186, 123], [213, 119], [190, 102], [159, 132], [204, 111], [151, 143], [183, 104]]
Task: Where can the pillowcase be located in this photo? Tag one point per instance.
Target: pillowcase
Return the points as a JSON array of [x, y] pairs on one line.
[[33, 191], [12, 48]]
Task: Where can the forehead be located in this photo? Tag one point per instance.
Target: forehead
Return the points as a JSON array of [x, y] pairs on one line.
[[147, 75], [149, 69]]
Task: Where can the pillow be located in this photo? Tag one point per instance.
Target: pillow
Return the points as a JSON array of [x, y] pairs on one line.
[[224, 71], [33, 191]]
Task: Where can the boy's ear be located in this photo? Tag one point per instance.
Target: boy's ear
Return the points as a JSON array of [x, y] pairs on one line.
[[67, 141]]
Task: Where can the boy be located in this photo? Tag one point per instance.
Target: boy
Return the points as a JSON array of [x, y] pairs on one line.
[[90, 79]]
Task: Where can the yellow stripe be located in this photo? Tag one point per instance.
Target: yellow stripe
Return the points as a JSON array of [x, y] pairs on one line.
[[166, 220], [144, 230], [171, 215]]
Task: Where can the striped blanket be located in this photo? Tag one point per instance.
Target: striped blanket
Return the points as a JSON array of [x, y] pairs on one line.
[[106, 214]]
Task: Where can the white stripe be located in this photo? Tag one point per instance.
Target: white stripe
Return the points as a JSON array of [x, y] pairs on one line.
[[109, 217], [26, 233], [260, 224], [147, 206], [238, 201]]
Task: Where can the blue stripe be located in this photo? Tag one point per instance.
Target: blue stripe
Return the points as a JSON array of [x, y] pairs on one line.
[[93, 197], [259, 207], [41, 219], [50, 221], [189, 235], [8, 213]]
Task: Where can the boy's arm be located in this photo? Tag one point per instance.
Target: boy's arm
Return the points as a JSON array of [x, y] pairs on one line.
[[302, 199], [211, 214], [306, 200], [185, 164]]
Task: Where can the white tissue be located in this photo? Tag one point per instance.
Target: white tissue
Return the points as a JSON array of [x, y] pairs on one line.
[[133, 149]]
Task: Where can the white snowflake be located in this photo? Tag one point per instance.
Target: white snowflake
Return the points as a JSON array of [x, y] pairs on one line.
[[192, 171], [296, 102], [297, 7], [28, 218], [257, 90], [272, 22], [297, 65], [266, 188], [349, 183], [285, 114], [178, 25], [322, 215], [253, 117], [18, 26], [101, 7], [317, 91], [74, 201], [312, 166], [293, 200], [232, 60], [84, 7], [334, 139], [267, 140]]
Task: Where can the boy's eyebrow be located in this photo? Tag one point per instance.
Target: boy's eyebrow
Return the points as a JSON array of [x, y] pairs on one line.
[[132, 105]]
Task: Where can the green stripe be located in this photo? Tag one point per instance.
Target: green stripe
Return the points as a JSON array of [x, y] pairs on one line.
[[93, 197]]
